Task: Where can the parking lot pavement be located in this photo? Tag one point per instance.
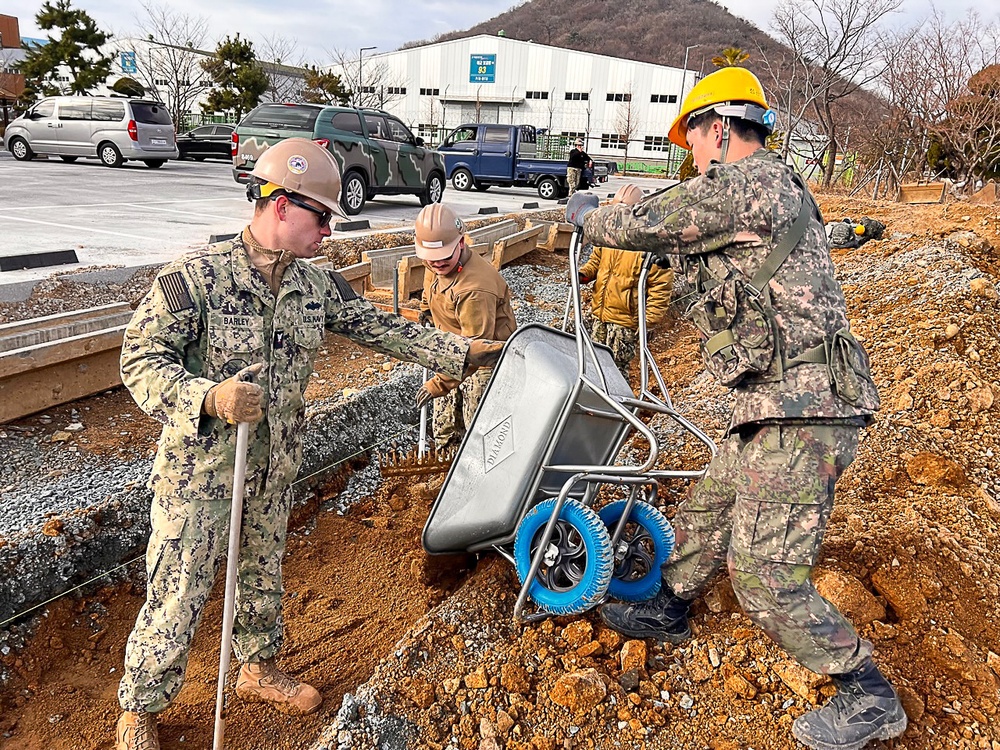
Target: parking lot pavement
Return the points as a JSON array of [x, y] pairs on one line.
[[134, 216]]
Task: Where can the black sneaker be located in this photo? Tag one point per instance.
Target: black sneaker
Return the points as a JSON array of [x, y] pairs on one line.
[[664, 617], [855, 715]]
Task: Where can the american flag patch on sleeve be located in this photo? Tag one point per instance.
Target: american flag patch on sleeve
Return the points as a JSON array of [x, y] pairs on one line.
[[175, 292]]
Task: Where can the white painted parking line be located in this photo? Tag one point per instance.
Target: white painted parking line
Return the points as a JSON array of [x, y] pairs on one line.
[[131, 204], [185, 212], [76, 227]]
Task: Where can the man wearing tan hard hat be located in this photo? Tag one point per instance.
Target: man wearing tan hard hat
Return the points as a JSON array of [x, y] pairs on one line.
[[615, 303], [228, 334], [463, 294]]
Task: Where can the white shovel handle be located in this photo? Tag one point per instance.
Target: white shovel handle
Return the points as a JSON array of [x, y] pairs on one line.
[[232, 559]]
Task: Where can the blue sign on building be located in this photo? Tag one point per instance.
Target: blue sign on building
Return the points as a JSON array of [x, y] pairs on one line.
[[128, 62], [483, 68]]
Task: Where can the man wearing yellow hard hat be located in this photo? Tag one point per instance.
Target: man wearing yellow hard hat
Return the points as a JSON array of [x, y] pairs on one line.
[[750, 240]]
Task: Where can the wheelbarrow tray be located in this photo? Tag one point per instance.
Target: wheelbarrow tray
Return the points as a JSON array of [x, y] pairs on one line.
[[532, 415]]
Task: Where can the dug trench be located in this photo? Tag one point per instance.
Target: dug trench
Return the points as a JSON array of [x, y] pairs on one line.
[[417, 652]]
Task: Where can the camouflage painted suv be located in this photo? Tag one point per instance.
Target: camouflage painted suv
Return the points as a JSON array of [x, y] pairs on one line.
[[377, 154]]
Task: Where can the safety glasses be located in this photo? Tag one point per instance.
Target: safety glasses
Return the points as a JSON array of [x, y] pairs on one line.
[[324, 217]]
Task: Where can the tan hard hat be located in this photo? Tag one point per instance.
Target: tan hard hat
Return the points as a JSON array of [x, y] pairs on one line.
[[300, 166], [438, 231], [628, 194]]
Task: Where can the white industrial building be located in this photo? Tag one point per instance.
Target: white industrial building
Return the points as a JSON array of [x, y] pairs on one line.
[[483, 78]]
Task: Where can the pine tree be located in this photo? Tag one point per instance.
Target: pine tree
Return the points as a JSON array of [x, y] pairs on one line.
[[239, 78]]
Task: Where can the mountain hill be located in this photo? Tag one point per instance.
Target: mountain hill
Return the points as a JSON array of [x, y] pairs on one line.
[[655, 31]]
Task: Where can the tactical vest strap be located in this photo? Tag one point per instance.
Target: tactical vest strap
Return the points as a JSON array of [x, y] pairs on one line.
[[814, 356]]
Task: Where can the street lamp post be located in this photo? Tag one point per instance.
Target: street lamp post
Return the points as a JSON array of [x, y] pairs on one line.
[[361, 74], [687, 49], [684, 75]]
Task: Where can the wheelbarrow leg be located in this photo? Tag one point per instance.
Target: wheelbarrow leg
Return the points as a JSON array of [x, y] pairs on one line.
[[232, 560]]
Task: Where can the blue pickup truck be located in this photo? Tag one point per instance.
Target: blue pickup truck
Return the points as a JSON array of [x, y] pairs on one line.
[[479, 155]]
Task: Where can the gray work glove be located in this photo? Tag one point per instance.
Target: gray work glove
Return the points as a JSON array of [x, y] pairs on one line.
[[482, 353], [579, 205], [237, 399]]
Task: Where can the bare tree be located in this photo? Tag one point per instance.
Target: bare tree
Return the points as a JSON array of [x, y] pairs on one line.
[[942, 91], [284, 67], [167, 62], [626, 123], [840, 44], [371, 81]]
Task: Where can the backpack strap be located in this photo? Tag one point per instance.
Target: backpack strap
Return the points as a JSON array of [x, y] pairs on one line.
[[782, 250]]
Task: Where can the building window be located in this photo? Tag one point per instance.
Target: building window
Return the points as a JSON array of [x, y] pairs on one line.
[[430, 92], [612, 140], [425, 130], [619, 97], [391, 90], [367, 89], [537, 95], [570, 135], [656, 143], [663, 99], [577, 96], [161, 82]]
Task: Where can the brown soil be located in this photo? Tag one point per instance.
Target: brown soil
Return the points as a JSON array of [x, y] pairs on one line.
[[912, 555]]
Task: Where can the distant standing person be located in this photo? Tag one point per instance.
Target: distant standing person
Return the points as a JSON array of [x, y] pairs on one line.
[[578, 161], [466, 295]]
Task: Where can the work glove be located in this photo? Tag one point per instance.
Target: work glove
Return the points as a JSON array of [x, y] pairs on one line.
[[426, 319], [237, 399], [430, 390], [628, 194], [583, 279], [579, 205], [482, 353]]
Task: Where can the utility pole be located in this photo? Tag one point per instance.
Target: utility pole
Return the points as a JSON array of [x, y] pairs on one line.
[[684, 75]]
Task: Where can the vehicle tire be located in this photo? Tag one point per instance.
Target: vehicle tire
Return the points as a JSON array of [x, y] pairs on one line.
[[548, 189], [69, 159], [20, 149], [110, 155], [482, 187], [461, 179], [645, 545], [353, 193], [434, 191], [154, 163], [578, 565]]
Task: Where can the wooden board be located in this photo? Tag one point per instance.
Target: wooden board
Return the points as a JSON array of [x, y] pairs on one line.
[[914, 192], [515, 245]]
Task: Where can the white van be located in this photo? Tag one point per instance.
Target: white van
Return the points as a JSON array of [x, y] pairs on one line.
[[111, 129]]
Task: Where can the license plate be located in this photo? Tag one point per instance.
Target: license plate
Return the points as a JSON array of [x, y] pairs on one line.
[[158, 141]]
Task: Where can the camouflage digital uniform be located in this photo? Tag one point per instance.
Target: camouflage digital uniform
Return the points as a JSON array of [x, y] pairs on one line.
[[207, 316], [764, 503], [473, 301]]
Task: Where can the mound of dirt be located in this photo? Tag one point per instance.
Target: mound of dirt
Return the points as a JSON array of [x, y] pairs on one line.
[[412, 652]]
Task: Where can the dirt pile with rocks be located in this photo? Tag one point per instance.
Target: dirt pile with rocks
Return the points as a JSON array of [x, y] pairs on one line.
[[912, 555]]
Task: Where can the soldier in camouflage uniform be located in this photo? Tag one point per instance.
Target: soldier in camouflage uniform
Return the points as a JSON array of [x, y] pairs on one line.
[[463, 294], [248, 306], [750, 240]]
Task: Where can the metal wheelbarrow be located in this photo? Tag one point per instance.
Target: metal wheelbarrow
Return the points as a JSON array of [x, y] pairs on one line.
[[544, 440]]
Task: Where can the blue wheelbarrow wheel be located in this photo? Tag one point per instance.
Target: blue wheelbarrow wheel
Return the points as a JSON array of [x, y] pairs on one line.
[[645, 544], [576, 570]]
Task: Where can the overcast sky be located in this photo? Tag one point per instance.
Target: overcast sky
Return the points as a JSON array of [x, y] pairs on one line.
[[320, 26]]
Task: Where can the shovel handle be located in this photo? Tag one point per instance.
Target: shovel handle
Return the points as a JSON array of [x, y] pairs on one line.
[[235, 524]]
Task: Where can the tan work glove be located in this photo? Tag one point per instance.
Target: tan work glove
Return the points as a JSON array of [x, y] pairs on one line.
[[431, 389], [482, 353], [237, 399]]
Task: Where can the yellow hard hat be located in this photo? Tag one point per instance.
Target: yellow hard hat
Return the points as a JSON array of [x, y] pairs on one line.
[[302, 166], [728, 86]]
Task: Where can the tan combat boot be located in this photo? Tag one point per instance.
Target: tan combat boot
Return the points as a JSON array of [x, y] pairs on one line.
[[265, 683], [136, 731]]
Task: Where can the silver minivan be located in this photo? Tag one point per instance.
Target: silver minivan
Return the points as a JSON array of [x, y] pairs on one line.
[[111, 129]]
